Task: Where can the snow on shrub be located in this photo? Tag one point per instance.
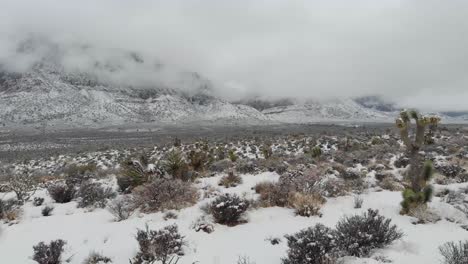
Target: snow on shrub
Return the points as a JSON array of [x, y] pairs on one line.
[[358, 235], [454, 253], [307, 204], [61, 192], [49, 253], [228, 209], [23, 185], [121, 208], [164, 245], [96, 258], [93, 194], [314, 245], [38, 201], [9, 209], [165, 194], [202, 224]]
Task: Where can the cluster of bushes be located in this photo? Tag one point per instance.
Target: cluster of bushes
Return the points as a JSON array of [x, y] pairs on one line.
[[296, 189], [52, 253], [454, 252], [355, 236], [165, 194], [89, 193], [163, 246]]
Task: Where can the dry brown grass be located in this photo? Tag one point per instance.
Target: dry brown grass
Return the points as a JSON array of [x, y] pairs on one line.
[[307, 204], [230, 180]]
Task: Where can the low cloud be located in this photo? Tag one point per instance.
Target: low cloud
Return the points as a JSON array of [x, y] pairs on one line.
[[414, 52]]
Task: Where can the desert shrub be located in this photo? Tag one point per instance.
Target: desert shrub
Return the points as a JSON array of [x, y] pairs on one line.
[[274, 194], [462, 177], [263, 187], [23, 185], [96, 258], [377, 141], [449, 170], [202, 224], [198, 160], [47, 210], [169, 215], [220, 166], [273, 240], [244, 260], [164, 194], [402, 162], [175, 165], [232, 155], [316, 152], [358, 202], [125, 183], [314, 245], [390, 184], [77, 174], [274, 164], [9, 209], [228, 209], [246, 166], [358, 235], [454, 253], [267, 151], [61, 192], [423, 214], [38, 201], [165, 245], [230, 180], [93, 194], [220, 153], [49, 253], [121, 208], [350, 174], [134, 172], [334, 188], [306, 181], [307, 204]]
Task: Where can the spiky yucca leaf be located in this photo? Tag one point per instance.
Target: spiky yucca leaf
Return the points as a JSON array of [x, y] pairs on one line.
[[428, 190], [428, 170], [414, 114]]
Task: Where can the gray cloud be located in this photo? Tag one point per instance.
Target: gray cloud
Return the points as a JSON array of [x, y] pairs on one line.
[[412, 51]]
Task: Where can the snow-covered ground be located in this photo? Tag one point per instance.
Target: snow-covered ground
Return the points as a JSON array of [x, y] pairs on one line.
[[88, 231]]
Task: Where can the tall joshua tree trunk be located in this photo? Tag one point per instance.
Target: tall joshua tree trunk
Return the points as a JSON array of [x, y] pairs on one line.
[[419, 171]]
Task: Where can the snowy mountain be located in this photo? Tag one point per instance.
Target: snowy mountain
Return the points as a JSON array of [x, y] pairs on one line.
[[103, 91], [327, 110], [79, 86], [41, 95]]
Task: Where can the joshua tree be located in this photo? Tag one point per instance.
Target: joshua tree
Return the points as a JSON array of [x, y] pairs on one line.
[[419, 172], [316, 152]]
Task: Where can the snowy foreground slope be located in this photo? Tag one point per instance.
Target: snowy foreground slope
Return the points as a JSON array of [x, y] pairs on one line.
[[96, 230]]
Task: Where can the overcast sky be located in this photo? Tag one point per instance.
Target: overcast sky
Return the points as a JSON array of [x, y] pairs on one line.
[[413, 51]]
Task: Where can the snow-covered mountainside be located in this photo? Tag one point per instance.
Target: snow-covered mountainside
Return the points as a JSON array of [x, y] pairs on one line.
[[332, 110], [90, 89], [49, 96]]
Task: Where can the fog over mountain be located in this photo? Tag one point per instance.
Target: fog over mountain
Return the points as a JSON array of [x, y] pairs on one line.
[[412, 53]]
